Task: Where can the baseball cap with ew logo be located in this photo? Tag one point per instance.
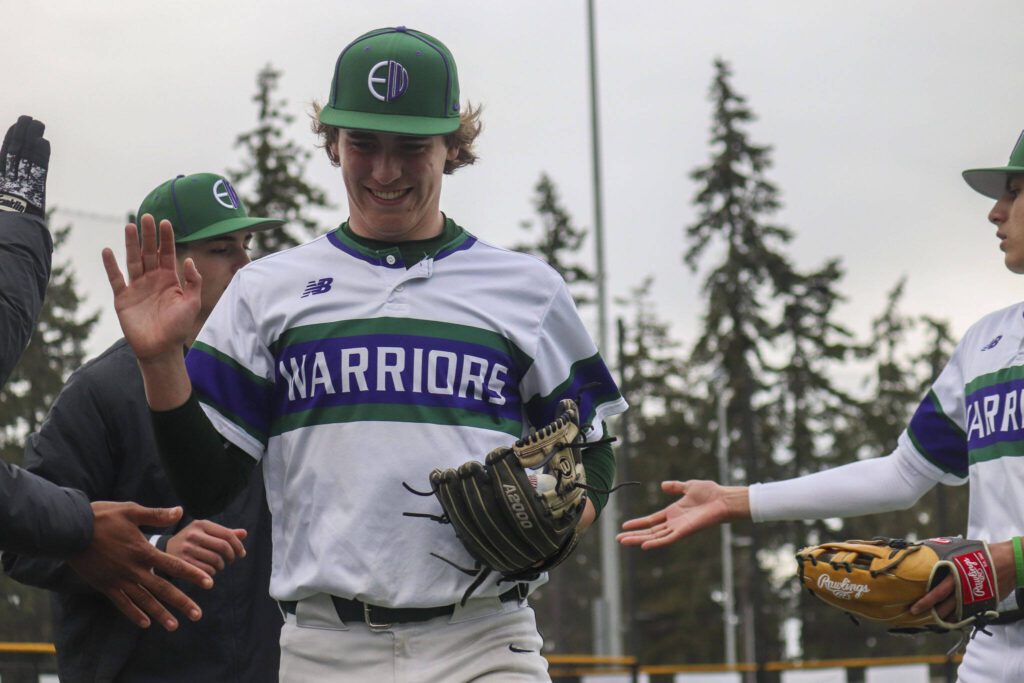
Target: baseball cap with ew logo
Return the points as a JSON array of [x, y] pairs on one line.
[[395, 80], [200, 206]]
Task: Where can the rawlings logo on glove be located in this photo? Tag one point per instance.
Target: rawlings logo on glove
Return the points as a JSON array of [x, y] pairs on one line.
[[880, 579]]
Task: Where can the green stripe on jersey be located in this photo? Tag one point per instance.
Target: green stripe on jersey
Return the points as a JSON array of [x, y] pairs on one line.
[[387, 412], [413, 327], [233, 364], [1006, 449], [992, 378]]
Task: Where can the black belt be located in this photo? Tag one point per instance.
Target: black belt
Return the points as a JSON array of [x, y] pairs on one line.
[[380, 618]]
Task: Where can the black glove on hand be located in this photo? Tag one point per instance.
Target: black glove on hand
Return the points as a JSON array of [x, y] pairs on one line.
[[24, 158]]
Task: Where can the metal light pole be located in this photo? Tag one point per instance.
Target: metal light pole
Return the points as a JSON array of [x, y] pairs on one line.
[[611, 597], [729, 619]]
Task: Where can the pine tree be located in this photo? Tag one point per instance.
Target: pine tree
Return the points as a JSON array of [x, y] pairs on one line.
[[810, 410], [558, 241], [563, 604], [897, 381], [735, 201], [271, 178], [895, 390], [57, 348], [665, 435]]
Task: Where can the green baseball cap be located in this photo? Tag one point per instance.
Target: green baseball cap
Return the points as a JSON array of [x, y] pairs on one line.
[[200, 206], [991, 182], [395, 80]]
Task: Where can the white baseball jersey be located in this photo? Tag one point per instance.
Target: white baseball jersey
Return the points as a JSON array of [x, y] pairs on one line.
[[971, 425], [348, 374]]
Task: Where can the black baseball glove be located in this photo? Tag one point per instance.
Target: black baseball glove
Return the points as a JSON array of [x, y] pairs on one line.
[[513, 522], [24, 159]]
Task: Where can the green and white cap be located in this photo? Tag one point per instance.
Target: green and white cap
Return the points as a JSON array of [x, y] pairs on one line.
[[200, 206], [991, 182], [395, 80]]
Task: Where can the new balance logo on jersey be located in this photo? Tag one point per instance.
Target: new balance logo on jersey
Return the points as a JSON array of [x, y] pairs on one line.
[[320, 286], [992, 344]]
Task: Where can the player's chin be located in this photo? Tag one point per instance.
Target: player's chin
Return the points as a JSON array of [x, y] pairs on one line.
[[1014, 263]]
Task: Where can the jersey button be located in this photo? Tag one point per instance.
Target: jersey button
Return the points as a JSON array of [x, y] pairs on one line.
[[400, 288], [390, 259]]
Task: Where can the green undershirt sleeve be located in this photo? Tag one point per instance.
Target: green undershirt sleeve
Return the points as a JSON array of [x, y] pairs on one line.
[[599, 465]]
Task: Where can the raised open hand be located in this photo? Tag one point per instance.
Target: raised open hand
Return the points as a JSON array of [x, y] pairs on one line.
[[157, 313], [702, 504]]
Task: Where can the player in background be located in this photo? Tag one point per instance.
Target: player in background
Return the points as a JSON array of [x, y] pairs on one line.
[[98, 438], [396, 344], [100, 541], [968, 429]]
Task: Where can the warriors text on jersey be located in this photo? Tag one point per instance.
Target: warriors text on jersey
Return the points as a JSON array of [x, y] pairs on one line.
[[348, 374]]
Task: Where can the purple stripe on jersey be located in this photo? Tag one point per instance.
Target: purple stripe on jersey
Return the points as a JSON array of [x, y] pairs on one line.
[[333, 238], [592, 371], [939, 439], [396, 369], [230, 390], [995, 414], [466, 244]]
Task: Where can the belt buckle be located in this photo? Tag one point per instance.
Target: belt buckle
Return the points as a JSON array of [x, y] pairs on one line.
[[376, 628]]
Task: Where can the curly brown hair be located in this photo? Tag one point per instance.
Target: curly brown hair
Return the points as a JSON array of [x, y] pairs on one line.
[[463, 139]]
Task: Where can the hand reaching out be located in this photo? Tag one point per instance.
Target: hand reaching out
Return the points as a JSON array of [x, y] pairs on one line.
[[208, 545], [702, 504], [119, 563]]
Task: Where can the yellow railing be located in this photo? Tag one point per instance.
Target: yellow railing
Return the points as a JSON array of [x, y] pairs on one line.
[[579, 665]]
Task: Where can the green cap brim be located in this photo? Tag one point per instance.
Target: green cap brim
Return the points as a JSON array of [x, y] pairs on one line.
[[991, 182], [252, 224], [389, 123]]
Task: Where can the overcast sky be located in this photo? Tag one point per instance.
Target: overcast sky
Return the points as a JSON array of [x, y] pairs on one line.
[[873, 108]]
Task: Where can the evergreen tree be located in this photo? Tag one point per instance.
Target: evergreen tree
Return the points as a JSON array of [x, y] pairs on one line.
[[895, 388], [812, 414], [809, 405], [558, 240], [271, 178], [735, 201], [563, 604], [57, 348], [667, 434]]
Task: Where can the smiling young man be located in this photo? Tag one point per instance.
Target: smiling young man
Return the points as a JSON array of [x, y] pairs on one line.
[[397, 344], [98, 438], [968, 429]]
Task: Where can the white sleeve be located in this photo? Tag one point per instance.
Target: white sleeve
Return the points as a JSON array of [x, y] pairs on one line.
[[893, 482]]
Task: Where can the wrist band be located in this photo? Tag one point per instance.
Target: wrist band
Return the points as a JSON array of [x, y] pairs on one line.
[[1018, 558]]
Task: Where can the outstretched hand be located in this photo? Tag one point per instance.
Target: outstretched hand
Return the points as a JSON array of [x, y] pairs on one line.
[[702, 504], [120, 563], [156, 311], [207, 545]]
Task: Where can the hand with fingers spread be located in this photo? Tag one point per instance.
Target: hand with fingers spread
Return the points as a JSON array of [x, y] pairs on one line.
[[701, 504], [120, 563], [208, 545], [156, 310]]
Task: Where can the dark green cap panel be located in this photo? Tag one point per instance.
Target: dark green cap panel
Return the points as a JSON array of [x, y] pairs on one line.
[[200, 206], [395, 80]]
